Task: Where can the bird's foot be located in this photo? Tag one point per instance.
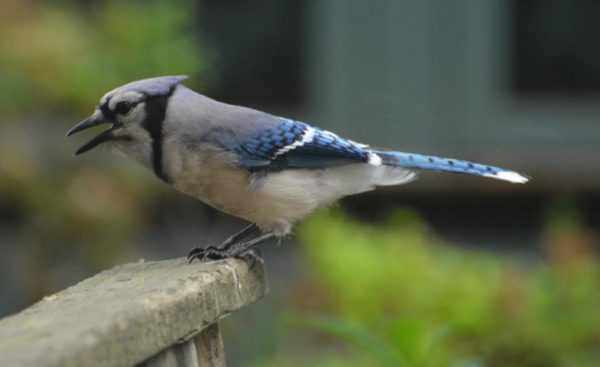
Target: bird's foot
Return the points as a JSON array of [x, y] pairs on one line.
[[215, 253], [240, 250]]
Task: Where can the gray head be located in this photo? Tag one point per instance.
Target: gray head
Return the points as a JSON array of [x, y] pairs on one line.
[[135, 112]]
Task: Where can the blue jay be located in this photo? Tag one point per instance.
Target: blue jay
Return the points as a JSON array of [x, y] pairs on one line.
[[269, 170]]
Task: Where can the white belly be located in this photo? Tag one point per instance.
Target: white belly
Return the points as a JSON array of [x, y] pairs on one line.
[[274, 205]]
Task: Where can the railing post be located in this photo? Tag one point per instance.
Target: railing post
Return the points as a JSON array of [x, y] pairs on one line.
[[210, 347], [204, 350], [179, 355]]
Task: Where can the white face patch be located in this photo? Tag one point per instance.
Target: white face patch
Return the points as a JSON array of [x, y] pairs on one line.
[[135, 113], [139, 149], [130, 136]]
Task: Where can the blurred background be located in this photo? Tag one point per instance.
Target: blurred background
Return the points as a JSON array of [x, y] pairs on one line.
[[450, 270]]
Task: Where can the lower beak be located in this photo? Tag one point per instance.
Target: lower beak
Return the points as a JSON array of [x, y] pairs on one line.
[[96, 119], [95, 141]]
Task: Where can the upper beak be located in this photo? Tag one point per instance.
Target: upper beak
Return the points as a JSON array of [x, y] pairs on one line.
[[96, 119]]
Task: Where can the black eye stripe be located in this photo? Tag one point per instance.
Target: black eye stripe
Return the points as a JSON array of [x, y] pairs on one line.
[[121, 108], [108, 114]]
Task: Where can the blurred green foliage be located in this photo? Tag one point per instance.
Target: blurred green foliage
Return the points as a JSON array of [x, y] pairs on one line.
[[61, 219], [62, 55], [402, 298]]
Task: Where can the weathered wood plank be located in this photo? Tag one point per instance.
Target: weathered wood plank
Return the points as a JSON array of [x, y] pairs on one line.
[[125, 315]]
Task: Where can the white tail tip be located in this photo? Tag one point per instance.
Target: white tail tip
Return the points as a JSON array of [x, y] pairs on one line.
[[509, 176], [374, 159]]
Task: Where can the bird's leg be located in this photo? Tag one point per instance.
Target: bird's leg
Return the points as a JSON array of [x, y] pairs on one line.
[[236, 249], [241, 248], [197, 252], [239, 236]]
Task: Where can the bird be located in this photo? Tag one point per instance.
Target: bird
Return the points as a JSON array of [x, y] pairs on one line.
[[269, 170]]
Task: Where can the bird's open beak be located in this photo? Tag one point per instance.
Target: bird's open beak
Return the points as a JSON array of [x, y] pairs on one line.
[[96, 119]]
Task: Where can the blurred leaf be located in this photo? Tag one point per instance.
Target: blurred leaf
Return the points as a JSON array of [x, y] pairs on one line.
[[74, 54], [360, 337], [396, 285]]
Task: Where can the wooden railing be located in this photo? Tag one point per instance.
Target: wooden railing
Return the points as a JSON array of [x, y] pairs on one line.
[[153, 314]]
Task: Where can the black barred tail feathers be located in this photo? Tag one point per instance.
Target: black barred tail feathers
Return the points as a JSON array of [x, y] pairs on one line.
[[425, 162]]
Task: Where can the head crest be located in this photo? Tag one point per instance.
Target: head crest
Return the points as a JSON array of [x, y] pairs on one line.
[[161, 85], [154, 86]]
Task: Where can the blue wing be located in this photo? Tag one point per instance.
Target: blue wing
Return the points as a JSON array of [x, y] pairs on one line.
[[294, 144]]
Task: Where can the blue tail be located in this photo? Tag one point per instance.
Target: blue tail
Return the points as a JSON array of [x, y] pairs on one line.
[[418, 161]]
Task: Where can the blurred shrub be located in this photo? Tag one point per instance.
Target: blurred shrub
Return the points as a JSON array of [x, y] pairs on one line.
[[61, 220], [62, 55], [403, 299]]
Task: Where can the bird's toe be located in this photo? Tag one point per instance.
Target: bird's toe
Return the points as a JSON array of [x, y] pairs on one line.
[[251, 256], [195, 253]]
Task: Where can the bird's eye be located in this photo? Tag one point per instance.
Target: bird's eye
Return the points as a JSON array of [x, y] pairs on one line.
[[123, 108]]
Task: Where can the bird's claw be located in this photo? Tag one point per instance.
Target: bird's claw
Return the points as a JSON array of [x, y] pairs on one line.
[[252, 257], [214, 253], [205, 254], [195, 253]]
